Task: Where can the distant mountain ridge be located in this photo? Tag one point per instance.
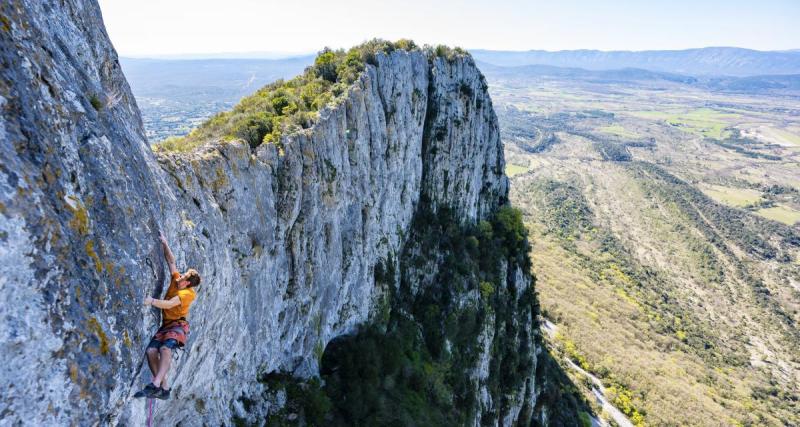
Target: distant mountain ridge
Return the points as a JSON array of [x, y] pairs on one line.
[[777, 84], [236, 76], [730, 61]]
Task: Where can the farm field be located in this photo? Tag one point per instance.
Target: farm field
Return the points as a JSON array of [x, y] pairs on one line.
[[665, 223]]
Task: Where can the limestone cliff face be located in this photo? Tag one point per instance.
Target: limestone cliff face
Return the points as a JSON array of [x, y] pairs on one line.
[[287, 243]]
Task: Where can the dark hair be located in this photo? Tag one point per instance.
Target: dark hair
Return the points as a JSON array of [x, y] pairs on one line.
[[193, 277]]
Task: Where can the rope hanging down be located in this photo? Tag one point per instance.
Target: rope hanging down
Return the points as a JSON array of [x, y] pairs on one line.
[[150, 413]]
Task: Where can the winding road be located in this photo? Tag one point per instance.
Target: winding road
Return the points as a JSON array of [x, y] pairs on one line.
[[598, 390]]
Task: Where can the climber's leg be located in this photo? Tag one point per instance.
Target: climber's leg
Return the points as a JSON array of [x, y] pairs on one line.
[[152, 358], [164, 383], [164, 363]]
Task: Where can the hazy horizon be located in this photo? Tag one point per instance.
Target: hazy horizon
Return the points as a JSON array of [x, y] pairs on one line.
[[244, 27], [269, 55]]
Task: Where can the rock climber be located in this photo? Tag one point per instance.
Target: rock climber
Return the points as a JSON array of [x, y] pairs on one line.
[[174, 324]]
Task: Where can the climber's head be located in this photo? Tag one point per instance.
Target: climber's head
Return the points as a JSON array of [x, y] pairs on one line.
[[189, 279]]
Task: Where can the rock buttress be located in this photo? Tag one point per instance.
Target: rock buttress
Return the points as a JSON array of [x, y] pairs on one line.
[[287, 243]]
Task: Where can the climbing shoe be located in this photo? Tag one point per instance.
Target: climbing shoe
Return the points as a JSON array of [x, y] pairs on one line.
[[162, 394], [149, 390]]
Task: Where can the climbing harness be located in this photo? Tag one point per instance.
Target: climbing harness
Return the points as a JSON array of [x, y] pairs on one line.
[[178, 351]]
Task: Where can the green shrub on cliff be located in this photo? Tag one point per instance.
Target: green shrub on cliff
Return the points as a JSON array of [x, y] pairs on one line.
[[415, 366], [447, 52], [286, 106], [96, 102]]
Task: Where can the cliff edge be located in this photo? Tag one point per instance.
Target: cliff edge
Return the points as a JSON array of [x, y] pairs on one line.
[[298, 244]]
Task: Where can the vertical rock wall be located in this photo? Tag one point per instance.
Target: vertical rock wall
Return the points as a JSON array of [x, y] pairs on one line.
[[286, 242]]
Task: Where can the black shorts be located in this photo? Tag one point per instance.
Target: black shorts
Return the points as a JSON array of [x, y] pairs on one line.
[[171, 344]]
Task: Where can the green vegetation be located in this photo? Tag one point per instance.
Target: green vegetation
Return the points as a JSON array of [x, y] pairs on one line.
[[738, 197], [512, 169], [585, 419], [284, 107], [684, 306], [622, 399], [414, 366], [728, 223], [563, 399], [565, 213], [469, 259], [618, 130], [745, 147], [388, 378], [97, 104], [781, 214], [571, 351], [705, 122], [619, 395], [287, 106], [612, 151], [446, 52], [306, 399], [591, 261], [783, 136]]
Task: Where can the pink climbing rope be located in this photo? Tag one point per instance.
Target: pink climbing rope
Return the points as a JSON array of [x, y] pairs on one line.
[[150, 413]]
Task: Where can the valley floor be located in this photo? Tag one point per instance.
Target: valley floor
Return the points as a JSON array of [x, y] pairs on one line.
[[664, 223]]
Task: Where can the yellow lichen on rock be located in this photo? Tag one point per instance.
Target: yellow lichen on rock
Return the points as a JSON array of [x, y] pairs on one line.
[[95, 327], [220, 181], [98, 265], [80, 216]]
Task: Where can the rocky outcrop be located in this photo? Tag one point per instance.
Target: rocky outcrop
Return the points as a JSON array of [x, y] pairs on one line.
[[287, 242]]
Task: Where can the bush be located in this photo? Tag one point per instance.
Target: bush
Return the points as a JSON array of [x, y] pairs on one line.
[[446, 52], [487, 289], [386, 378], [253, 128], [287, 106], [415, 365], [511, 230], [96, 103], [305, 398], [612, 151], [325, 65]]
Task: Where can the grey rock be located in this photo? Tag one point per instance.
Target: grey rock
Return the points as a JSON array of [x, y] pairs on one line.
[[286, 242]]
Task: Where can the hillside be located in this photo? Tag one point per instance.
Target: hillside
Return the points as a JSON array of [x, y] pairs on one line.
[[725, 61], [664, 221], [776, 85], [175, 96]]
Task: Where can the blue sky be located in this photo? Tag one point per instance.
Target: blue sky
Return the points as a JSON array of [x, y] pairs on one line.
[[158, 27]]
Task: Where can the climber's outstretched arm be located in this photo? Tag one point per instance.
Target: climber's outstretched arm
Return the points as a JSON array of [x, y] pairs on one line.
[[168, 256], [163, 303]]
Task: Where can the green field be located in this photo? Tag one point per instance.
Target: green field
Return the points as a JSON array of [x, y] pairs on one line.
[[784, 136], [652, 262], [618, 130], [781, 214], [704, 122], [738, 197], [512, 169]]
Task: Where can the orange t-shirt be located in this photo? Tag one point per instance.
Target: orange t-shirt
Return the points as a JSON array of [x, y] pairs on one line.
[[186, 295]]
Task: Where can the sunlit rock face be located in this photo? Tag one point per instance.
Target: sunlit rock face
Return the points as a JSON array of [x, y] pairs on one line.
[[286, 242]]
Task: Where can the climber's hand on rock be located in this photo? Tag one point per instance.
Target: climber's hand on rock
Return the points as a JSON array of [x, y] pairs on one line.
[[162, 238], [148, 300]]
